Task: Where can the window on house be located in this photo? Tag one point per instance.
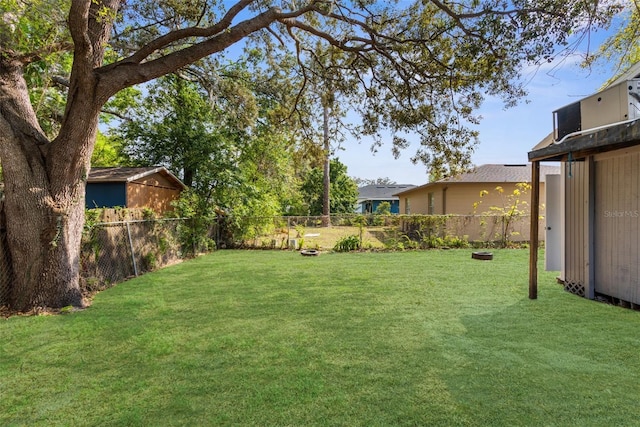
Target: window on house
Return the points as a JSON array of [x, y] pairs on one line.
[[407, 206], [432, 204]]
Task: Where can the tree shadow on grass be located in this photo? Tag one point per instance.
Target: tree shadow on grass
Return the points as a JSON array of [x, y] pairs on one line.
[[553, 361]]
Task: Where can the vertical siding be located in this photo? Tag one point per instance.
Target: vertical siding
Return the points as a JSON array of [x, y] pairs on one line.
[[575, 176], [154, 191], [617, 217], [156, 198]]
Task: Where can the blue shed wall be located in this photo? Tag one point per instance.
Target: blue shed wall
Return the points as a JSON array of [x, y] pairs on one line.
[[106, 195], [395, 206]]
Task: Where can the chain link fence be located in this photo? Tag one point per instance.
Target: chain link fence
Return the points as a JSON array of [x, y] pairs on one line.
[[381, 231], [114, 251]]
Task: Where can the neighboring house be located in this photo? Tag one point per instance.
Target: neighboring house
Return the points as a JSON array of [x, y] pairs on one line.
[[600, 191], [148, 187], [370, 197], [457, 195]]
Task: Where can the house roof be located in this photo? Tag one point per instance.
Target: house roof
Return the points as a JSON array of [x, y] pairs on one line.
[[127, 174], [381, 192], [494, 173]]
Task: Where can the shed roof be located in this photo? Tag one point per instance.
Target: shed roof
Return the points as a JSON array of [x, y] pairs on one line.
[[632, 72], [598, 140], [546, 141], [608, 139], [129, 174], [495, 173], [381, 192]]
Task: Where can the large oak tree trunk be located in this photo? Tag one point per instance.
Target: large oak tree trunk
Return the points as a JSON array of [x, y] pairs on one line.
[[45, 179], [44, 200], [44, 243]]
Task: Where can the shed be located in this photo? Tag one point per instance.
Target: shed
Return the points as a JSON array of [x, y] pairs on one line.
[[145, 187], [370, 197], [600, 212]]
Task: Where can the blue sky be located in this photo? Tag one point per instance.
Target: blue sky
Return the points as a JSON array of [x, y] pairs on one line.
[[506, 136]]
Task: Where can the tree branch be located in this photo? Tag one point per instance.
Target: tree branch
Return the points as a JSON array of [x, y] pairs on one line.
[[78, 26], [38, 55], [458, 17], [116, 114], [173, 36], [125, 73], [102, 14]]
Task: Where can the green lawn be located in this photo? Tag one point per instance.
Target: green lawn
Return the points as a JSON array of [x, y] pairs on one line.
[[367, 339]]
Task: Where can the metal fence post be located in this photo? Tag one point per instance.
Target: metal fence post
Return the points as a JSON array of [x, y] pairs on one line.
[[133, 255]]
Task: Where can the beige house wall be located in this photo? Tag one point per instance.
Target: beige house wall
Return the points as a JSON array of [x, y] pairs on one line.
[[459, 199], [157, 180], [418, 200]]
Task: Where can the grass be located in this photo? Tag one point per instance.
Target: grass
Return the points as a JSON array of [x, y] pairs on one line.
[[360, 339], [327, 237]]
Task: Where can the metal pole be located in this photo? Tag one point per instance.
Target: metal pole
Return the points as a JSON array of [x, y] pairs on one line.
[[326, 178], [133, 256]]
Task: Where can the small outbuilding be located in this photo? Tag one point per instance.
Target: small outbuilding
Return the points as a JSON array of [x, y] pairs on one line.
[[135, 188], [600, 193]]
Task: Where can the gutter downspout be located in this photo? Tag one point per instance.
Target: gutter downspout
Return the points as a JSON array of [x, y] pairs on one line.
[[444, 200]]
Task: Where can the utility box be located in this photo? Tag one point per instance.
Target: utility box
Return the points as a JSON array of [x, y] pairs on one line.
[[567, 120], [293, 244], [613, 105]]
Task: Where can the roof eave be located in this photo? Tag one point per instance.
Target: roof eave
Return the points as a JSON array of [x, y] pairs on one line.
[[609, 139], [130, 178]]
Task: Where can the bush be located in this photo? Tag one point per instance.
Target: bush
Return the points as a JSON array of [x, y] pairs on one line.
[[200, 214], [458, 242], [348, 244]]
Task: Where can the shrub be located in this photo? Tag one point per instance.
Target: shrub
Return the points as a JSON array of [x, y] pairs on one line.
[[200, 214], [457, 242], [347, 244]]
